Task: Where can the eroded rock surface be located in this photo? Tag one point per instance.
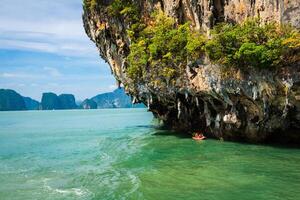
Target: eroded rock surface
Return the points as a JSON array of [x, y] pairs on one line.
[[253, 105]]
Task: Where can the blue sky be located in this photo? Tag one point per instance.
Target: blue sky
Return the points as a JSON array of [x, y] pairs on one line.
[[43, 48]]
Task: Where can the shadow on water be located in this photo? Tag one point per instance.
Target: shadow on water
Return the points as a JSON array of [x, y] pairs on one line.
[[163, 132], [160, 130], [282, 145], [144, 126], [184, 135], [272, 144]]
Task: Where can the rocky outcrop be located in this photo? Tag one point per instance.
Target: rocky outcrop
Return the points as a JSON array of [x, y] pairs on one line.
[[67, 101], [88, 104], [10, 100], [31, 104], [251, 105], [115, 99], [50, 101]]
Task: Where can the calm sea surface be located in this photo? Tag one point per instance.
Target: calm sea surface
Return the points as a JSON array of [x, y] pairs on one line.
[[118, 154]]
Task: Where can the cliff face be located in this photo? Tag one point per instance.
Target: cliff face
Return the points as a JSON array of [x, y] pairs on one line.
[[50, 101], [11, 101], [115, 99], [248, 105], [88, 104], [67, 101], [31, 104]]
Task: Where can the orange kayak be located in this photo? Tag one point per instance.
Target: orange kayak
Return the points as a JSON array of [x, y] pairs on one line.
[[198, 138]]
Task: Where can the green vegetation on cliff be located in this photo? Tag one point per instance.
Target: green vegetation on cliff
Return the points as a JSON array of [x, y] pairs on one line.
[[90, 4], [252, 44], [161, 50], [116, 9], [123, 8]]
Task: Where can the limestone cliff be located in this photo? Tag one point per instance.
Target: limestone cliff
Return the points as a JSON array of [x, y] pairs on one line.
[[251, 105], [10, 100]]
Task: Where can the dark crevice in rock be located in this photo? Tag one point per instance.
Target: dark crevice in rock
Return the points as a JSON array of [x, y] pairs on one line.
[[218, 11]]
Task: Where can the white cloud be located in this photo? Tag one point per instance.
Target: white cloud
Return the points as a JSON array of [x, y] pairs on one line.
[[8, 75], [26, 45], [46, 26], [49, 26], [53, 84], [52, 71], [15, 75], [112, 87]]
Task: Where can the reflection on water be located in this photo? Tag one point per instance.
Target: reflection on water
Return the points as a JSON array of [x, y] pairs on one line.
[[118, 154]]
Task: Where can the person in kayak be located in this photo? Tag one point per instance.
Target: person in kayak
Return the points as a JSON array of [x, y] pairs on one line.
[[199, 136]]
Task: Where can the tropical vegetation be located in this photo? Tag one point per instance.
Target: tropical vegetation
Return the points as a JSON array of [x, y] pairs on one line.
[[161, 48]]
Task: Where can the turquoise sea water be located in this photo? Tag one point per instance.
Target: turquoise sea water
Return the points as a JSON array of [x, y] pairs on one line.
[[118, 154]]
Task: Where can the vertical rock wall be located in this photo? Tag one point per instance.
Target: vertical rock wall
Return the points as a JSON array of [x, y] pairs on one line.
[[250, 106]]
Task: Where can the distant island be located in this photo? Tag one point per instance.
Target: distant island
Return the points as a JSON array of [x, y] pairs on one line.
[[10, 100], [50, 101]]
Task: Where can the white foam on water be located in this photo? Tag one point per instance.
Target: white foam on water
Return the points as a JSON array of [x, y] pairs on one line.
[[104, 156], [80, 192], [76, 191], [135, 182]]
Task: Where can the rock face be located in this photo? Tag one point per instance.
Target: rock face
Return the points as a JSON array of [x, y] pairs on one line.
[[252, 106], [67, 101], [31, 104], [88, 104], [50, 101], [115, 99], [11, 101]]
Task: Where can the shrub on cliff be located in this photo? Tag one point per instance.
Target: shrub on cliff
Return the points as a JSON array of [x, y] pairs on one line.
[[90, 4], [162, 49], [292, 47], [125, 8], [251, 44], [138, 59]]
